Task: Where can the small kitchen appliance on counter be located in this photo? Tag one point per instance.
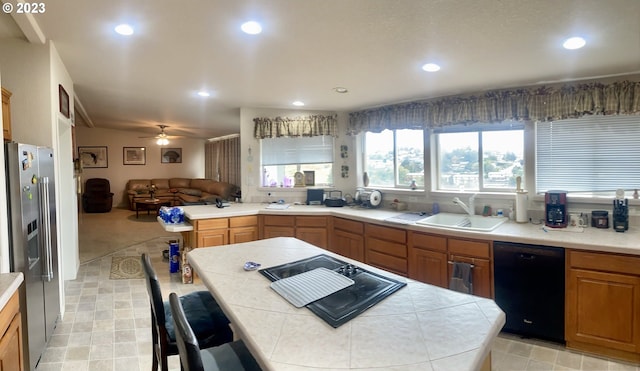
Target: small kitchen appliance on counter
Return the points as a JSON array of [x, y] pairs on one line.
[[371, 199], [555, 207], [620, 215], [315, 196], [600, 219], [335, 199]]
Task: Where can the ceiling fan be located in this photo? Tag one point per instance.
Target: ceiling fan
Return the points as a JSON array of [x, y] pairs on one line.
[[162, 138]]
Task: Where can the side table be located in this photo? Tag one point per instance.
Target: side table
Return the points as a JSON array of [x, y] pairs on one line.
[[150, 205]]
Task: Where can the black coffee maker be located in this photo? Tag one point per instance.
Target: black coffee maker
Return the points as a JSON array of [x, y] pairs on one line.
[[555, 209], [620, 215]]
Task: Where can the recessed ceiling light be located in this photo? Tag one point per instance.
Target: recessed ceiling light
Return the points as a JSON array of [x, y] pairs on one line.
[[431, 67], [204, 93], [124, 29], [298, 103], [251, 28], [340, 89], [574, 43]]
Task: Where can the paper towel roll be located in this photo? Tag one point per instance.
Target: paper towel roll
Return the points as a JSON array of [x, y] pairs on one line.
[[522, 203]]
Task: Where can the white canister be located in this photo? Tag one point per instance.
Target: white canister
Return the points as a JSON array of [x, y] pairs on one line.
[[522, 204]]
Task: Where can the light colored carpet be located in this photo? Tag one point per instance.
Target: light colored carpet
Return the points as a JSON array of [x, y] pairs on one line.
[[102, 234], [126, 267]]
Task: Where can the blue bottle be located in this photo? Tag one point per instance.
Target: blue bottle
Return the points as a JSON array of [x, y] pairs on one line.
[[435, 208], [174, 258]]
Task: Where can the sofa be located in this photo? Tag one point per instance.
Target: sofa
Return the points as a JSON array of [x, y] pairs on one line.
[[180, 191]]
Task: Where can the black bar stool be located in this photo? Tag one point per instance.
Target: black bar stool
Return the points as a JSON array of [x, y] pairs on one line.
[[201, 310]]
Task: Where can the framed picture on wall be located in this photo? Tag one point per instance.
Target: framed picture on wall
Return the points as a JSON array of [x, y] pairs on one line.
[[64, 101], [93, 157], [134, 155], [171, 155]]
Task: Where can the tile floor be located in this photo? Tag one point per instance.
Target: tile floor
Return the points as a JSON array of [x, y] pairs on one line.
[[106, 326]]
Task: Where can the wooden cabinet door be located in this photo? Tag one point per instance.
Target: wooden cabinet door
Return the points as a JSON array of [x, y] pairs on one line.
[[11, 347], [315, 236], [347, 244], [482, 273], [270, 231], [6, 114], [428, 258], [213, 237], [428, 266], [603, 309], [243, 234]]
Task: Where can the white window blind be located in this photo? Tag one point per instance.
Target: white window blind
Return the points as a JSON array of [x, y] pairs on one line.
[[298, 150], [590, 154]]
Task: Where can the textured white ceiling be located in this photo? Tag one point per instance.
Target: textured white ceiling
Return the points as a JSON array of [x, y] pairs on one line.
[[375, 48]]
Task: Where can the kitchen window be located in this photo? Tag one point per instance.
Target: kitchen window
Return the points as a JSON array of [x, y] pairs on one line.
[[459, 153], [395, 158], [592, 155], [284, 156]]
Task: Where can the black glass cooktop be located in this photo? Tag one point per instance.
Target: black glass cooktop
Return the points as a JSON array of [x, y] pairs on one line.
[[340, 307]]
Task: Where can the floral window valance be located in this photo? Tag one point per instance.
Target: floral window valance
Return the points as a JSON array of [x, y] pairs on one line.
[[536, 104], [308, 126]]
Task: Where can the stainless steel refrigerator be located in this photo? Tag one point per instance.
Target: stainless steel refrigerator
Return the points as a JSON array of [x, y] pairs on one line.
[[33, 247]]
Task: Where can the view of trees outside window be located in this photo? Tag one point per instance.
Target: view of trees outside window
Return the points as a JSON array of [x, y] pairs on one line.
[[459, 160], [395, 158]]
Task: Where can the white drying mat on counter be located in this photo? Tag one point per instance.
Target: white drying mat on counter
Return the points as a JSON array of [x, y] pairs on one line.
[[567, 229], [307, 287], [407, 218]]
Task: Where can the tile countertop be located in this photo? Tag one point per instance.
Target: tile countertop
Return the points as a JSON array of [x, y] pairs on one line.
[[420, 327], [9, 284], [606, 240]]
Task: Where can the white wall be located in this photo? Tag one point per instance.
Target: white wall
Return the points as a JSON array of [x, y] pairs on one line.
[[67, 210], [251, 190], [192, 165], [4, 214], [27, 74]]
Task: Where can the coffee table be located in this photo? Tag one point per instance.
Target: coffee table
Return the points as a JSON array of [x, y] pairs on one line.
[[151, 205]]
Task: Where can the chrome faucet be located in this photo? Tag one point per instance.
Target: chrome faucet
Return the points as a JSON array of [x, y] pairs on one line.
[[471, 209]]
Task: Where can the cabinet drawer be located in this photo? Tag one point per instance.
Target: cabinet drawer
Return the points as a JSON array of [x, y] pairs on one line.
[[284, 220], [604, 262], [479, 249], [243, 221], [348, 225], [427, 241], [211, 224], [386, 247], [391, 263], [386, 233], [311, 221]]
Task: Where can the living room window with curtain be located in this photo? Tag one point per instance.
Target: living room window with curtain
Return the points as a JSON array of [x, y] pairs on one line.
[[222, 160]]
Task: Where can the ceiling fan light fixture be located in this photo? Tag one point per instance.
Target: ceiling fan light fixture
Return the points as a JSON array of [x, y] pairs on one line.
[[573, 43], [251, 28], [431, 67], [162, 141], [124, 29]]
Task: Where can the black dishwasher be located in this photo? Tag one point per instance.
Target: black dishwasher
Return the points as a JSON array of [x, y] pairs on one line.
[[529, 288]]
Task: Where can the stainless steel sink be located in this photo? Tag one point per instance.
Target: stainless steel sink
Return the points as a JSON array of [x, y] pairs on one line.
[[461, 221]]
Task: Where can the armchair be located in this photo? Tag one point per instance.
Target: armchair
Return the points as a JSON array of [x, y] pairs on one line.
[[97, 196]]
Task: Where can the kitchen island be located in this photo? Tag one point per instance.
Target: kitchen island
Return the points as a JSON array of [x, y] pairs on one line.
[[420, 327]]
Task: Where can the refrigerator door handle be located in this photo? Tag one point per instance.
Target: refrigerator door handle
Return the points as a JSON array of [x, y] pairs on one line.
[[46, 228]]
